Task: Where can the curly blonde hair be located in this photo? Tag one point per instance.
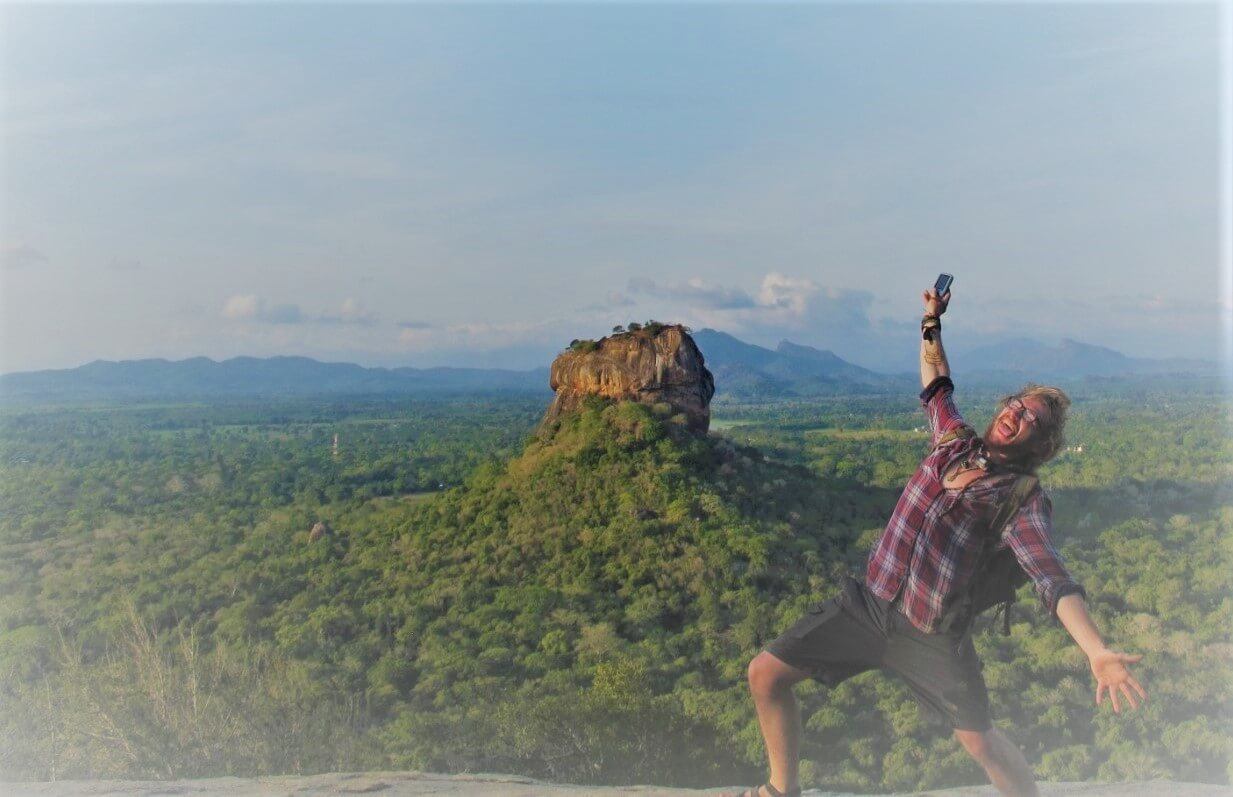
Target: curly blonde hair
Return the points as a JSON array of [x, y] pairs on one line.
[[1049, 437]]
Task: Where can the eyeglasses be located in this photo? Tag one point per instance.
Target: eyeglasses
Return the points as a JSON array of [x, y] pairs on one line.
[[1017, 407]]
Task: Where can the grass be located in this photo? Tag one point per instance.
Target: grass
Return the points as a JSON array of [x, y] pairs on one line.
[[719, 424], [866, 434]]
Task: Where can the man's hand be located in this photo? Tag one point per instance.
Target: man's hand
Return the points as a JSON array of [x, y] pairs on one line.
[[932, 358], [1112, 676], [934, 304], [1109, 666]]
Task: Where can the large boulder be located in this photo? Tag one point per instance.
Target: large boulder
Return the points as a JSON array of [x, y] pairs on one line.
[[658, 364]]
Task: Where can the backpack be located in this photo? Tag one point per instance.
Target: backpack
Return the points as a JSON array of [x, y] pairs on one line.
[[998, 574]]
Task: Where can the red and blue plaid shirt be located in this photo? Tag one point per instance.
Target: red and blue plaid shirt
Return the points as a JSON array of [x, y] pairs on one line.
[[930, 548]]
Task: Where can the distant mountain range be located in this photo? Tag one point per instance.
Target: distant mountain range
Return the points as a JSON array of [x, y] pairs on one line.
[[741, 369], [746, 370], [252, 376], [1070, 358]]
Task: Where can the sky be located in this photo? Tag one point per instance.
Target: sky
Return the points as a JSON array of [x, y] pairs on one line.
[[477, 185]]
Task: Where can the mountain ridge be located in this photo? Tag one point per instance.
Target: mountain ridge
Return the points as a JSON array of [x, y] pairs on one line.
[[1070, 357], [741, 369], [258, 376]]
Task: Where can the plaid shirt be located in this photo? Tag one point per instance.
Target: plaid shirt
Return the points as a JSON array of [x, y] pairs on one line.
[[931, 546]]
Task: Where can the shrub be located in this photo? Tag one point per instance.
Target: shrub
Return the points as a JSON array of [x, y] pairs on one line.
[[584, 346]]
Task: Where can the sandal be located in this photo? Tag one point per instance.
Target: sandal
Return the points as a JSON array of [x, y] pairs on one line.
[[771, 791]]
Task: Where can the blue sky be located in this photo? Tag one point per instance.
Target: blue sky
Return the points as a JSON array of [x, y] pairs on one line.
[[477, 185]]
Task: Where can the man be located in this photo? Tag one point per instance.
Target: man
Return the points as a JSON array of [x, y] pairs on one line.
[[912, 614]]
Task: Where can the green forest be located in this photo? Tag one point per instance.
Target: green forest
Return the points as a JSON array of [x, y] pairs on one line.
[[298, 586]]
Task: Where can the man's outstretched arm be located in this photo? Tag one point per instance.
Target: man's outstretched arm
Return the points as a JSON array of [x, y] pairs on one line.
[[1108, 666], [1030, 537], [932, 356]]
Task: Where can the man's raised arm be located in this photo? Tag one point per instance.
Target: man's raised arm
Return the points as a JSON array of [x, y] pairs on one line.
[[932, 356]]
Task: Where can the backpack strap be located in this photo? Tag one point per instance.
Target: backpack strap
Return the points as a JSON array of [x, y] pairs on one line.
[[1023, 487], [976, 597], [1025, 483], [964, 432]]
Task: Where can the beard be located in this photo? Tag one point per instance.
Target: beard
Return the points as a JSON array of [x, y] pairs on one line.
[[1019, 455]]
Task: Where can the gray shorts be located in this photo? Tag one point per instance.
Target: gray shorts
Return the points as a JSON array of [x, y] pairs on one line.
[[858, 631]]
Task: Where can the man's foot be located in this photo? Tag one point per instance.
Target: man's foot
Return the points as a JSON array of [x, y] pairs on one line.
[[767, 790]]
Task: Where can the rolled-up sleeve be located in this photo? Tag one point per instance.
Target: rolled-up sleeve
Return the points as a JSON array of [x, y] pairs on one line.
[[1030, 536], [939, 403]]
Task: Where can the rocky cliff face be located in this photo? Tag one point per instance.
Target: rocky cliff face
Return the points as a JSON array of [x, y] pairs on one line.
[[657, 364]]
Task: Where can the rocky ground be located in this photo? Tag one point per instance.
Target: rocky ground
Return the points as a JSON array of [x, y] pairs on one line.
[[420, 783]]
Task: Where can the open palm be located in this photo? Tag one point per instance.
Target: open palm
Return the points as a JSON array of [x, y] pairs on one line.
[[1113, 676]]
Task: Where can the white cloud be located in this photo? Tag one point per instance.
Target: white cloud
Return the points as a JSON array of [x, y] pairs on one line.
[[785, 306], [241, 308], [351, 312], [416, 338], [250, 307], [783, 301], [694, 291], [790, 294]]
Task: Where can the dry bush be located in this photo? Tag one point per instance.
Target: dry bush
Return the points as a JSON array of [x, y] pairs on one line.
[[158, 706]]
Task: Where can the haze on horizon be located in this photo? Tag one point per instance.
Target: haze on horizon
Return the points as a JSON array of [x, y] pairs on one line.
[[477, 185]]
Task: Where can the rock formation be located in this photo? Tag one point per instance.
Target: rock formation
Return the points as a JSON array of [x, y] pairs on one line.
[[658, 363]]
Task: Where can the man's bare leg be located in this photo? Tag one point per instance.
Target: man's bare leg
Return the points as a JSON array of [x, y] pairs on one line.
[[1003, 762], [770, 682]]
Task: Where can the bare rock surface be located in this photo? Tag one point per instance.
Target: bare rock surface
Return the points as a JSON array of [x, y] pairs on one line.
[[398, 784], [651, 366]]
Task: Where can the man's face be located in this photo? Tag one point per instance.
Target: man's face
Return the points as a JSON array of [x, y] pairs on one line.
[[1011, 428]]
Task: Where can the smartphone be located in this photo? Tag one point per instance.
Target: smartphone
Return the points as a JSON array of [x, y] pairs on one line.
[[943, 284]]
